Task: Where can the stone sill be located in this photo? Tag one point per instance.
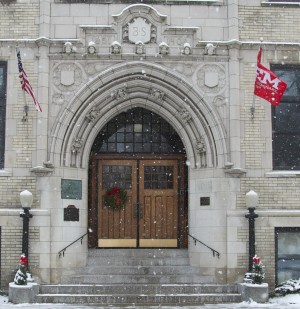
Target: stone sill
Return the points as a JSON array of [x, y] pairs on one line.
[[283, 174], [287, 4], [4, 173]]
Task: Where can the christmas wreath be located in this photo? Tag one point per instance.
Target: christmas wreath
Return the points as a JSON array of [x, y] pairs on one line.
[[115, 198]]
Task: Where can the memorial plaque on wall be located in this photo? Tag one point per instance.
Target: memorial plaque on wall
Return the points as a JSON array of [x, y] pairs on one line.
[[71, 213], [71, 189]]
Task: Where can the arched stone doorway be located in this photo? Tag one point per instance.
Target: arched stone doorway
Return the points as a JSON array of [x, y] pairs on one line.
[[139, 153]]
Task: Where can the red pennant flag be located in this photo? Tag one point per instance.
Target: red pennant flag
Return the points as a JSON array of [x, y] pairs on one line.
[[25, 84], [267, 85]]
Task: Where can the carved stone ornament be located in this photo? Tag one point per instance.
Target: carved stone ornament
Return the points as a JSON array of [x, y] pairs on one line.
[[201, 150], [120, 93], [139, 29], [58, 99], [67, 77], [185, 116], [157, 94], [92, 115], [211, 78], [77, 145], [163, 48], [200, 146], [210, 49], [116, 47], [140, 48]]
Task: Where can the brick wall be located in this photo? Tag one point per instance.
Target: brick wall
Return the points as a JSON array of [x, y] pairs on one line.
[[274, 193], [11, 187], [11, 249], [19, 20], [277, 24]]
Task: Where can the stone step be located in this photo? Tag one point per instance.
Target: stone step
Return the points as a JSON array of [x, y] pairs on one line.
[[140, 300], [139, 253], [144, 277], [138, 270], [138, 262], [138, 289], [142, 257], [135, 279]]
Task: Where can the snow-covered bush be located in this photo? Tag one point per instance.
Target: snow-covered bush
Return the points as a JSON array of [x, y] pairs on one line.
[[288, 287], [21, 274]]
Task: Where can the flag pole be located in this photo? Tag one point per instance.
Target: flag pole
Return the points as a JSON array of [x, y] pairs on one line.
[[26, 108], [252, 108]]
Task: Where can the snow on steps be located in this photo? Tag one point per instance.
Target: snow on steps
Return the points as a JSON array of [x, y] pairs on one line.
[[141, 277]]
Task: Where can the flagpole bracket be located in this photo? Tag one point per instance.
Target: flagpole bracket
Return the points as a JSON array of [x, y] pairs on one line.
[[25, 117], [252, 111]]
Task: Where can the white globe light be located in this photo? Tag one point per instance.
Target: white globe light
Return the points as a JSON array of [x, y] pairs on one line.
[[26, 199], [251, 199]]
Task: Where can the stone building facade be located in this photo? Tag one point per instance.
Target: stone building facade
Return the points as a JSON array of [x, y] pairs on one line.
[[192, 65]]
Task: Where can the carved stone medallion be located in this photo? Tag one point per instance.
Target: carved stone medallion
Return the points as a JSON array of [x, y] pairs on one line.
[[211, 78], [67, 77]]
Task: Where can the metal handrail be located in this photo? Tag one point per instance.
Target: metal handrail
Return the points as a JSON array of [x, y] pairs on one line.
[[62, 252], [215, 252]]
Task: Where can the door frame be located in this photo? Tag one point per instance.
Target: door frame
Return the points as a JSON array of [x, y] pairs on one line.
[[93, 192]]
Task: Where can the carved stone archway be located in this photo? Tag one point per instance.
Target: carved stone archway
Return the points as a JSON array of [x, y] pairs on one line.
[[137, 84]]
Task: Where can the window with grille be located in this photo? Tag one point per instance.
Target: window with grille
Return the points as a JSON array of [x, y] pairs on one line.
[[286, 121], [138, 131], [3, 77], [287, 241]]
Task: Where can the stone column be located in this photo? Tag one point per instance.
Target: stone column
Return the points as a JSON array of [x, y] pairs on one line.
[[43, 83]]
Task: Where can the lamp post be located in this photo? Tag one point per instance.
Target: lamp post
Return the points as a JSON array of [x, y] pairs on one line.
[[26, 201], [251, 203]]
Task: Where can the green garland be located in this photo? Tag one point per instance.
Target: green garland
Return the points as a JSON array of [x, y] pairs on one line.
[[115, 198]]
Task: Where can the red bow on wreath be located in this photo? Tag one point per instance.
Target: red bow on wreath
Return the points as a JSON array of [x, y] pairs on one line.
[[115, 198]]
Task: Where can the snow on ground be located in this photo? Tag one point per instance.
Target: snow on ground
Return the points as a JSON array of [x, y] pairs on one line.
[[287, 302]]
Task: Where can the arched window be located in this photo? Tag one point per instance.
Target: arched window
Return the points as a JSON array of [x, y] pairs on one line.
[[138, 131]]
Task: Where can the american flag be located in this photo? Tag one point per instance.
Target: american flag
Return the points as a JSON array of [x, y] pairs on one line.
[[25, 84]]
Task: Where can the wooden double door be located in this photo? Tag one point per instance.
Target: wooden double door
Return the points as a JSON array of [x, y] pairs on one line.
[[154, 214]]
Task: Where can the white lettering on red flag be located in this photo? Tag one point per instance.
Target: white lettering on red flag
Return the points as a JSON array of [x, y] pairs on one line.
[[267, 85]]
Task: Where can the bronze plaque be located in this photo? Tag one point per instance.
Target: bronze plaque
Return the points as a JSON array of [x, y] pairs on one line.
[[71, 213], [71, 189]]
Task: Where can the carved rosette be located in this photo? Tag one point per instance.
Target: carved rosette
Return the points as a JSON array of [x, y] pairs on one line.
[[186, 69], [67, 77], [211, 78], [92, 115], [120, 93], [157, 95], [185, 116], [58, 99]]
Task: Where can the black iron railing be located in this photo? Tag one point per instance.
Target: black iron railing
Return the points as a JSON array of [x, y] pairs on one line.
[[214, 252], [62, 251]]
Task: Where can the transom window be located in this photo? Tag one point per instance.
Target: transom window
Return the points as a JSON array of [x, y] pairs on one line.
[[138, 130], [3, 76], [286, 121]]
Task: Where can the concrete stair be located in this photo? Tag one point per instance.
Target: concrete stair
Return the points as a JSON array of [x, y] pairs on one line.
[[142, 277]]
